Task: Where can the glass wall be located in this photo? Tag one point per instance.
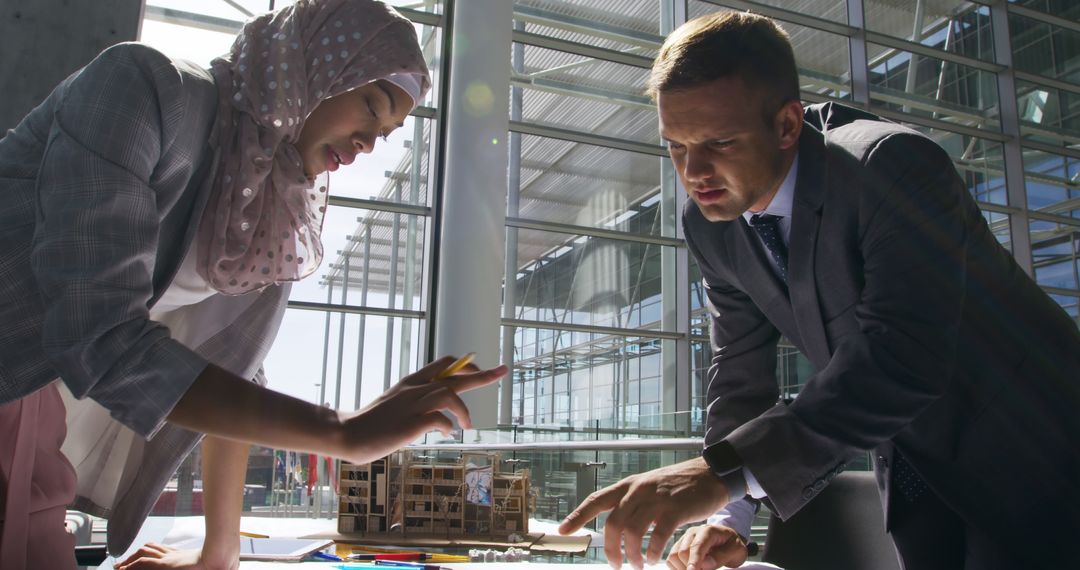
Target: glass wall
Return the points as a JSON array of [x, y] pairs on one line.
[[937, 67], [590, 221], [604, 318], [1045, 40]]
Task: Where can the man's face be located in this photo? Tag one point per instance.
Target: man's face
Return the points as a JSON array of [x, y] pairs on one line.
[[727, 157], [347, 125]]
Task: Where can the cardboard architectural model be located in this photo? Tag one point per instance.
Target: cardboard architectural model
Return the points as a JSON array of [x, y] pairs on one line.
[[409, 494]]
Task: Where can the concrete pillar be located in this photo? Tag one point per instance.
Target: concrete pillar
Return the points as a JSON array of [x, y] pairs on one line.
[[44, 41], [471, 221]]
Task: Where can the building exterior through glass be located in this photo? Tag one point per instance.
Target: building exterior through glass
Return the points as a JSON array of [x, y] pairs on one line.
[[602, 313]]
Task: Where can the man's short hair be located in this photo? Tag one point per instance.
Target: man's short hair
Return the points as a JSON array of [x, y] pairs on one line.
[[719, 45]]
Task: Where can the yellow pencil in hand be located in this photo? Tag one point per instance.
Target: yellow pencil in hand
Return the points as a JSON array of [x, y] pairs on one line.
[[455, 367]]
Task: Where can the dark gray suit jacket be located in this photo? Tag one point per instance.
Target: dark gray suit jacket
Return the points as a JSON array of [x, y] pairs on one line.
[[926, 336], [103, 185]]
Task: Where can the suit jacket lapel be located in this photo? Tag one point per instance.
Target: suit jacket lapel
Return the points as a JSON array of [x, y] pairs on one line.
[[805, 229]]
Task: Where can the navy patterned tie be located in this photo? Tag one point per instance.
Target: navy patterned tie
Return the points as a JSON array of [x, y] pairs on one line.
[[768, 228]]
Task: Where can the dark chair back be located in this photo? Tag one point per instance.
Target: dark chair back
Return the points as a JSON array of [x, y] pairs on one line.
[[841, 529]]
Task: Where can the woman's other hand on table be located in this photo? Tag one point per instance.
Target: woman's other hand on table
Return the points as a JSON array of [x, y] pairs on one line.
[[161, 556], [706, 547]]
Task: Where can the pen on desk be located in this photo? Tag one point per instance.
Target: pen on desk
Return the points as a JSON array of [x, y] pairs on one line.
[[325, 556], [253, 535], [455, 367], [400, 564], [383, 554], [406, 556], [447, 558]]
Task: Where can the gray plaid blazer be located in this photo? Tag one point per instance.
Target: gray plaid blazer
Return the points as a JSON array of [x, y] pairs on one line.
[[102, 188]]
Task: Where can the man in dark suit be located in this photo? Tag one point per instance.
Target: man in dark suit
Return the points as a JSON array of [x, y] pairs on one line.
[[856, 239]]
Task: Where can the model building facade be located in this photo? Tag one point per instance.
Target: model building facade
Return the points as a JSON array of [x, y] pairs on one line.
[[409, 494]]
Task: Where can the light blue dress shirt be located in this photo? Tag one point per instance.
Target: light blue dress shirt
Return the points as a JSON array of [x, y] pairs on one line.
[[780, 206]]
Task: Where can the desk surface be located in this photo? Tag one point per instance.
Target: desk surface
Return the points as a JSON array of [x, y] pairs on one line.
[[479, 566], [171, 530], [475, 566]]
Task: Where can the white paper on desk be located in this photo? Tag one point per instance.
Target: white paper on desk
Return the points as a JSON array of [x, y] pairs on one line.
[[273, 549]]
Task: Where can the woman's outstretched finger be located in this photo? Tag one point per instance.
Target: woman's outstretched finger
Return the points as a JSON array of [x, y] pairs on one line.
[[465, 382]]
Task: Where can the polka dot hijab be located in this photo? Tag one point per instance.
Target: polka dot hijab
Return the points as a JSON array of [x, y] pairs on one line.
[[263, 221]]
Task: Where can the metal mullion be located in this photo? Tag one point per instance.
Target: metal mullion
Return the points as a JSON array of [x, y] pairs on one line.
[[1052, 260], [1054, 218], [916, 36], [417, 152], [380, 206], [225, 25], [341, 337], [1054, 180], [421, 17], [425, 112], [998, 208], [576, 265], [193, 20], [914, 47], [557, 227], [581, 25], [676, 395], [928, 104], [640, 275], [1009, 118], [1060, 291], [651, 444], [326, 344], [240, 8], [1048, 148], [860, 64], [788, 16], [1042, 17], [939, 124], [392, 289], [362, 327], [819, 98], [437, 140], [356, 310], [613, 331], [575, 48], [596, 94], [1044, 81], [1066, 136], [587, 138], [823, 81], [513, 199]]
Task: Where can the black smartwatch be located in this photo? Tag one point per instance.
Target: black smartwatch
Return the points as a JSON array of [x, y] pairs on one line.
[[725, 463]]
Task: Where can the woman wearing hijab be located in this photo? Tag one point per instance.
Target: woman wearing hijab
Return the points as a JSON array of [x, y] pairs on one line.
[[154, 216]]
